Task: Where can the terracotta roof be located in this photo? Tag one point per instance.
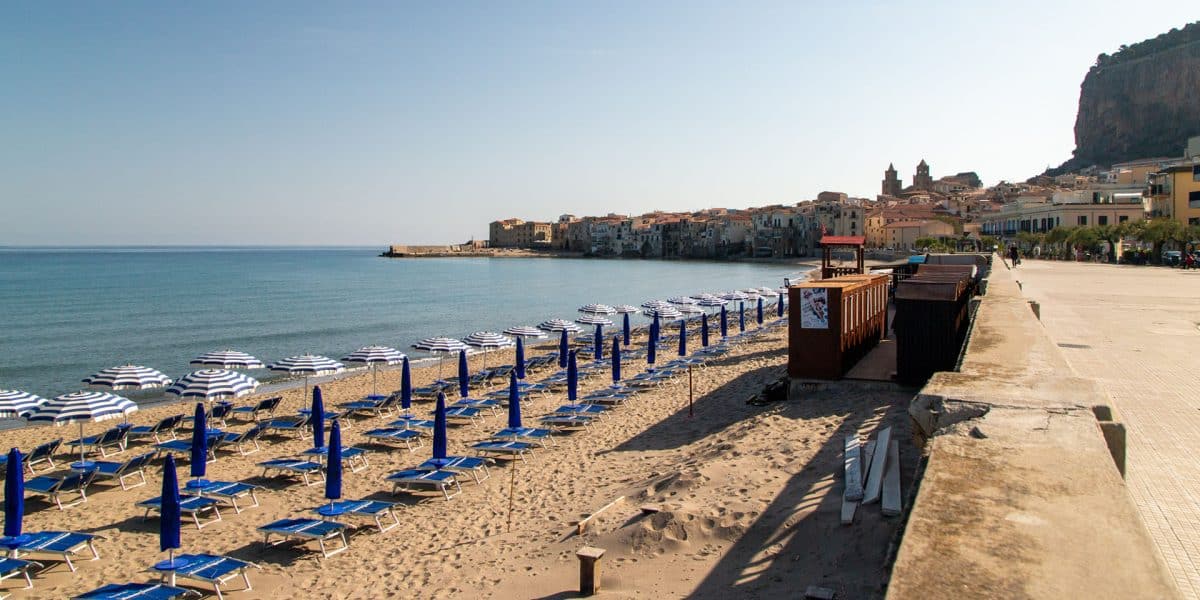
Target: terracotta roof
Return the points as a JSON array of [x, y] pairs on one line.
[[843, 240]]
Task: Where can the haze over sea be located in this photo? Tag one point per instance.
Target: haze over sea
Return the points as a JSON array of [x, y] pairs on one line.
[[68, 312]]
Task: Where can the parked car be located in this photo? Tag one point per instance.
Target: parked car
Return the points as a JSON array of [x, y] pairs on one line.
[[1172, 258]]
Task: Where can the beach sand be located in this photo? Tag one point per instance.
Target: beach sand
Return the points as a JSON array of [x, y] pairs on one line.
[[749, 495]]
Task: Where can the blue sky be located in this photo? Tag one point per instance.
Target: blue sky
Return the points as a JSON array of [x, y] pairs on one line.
[[371, 123]]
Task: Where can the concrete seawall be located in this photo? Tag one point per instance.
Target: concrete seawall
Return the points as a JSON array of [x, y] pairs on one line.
[[1022, 496]]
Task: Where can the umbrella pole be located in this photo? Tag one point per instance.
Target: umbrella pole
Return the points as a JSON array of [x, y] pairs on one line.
[[82, 459], [374, 376]]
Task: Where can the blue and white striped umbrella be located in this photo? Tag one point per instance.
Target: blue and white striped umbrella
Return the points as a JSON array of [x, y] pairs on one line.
[[78, 407], [525, 331], [703, 295], [440, 345], [487, 339], [308, 365], [598, 309], [375, 355], [128, 377], [664, 312], [227, 359], [557, 325], [627, 308], [734, 296], [690, 309], [14, 403], [681, 300], [593, 319], [767, 292], [657, 304], [213, 384], [712, 301]]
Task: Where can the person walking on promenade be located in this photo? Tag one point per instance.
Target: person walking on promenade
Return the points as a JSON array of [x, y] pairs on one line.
[[1014, 255]]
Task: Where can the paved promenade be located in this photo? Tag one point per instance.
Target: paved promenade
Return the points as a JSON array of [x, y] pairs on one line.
[[1135, 331]]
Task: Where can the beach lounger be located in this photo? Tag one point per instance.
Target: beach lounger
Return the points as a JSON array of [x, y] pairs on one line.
[[134, 467], [539, 435], [480, 403], [227, 491], [376, 405], [188, 505], [292, 467], [208, 568], [54, 487], [163, 430], [424, 426], [396, 435], [240, 441], [61, 544], [473, 465], [567, 420], [464, 414], [296, 425], [183, 448], [410, 479], [352, 456], [596, 410], [507, 449], [265, 408], [12, 567], [109, 442], [375, 510], [306, 530], [137, 591], [41, 454]]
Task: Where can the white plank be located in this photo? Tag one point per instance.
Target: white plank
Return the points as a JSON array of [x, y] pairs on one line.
[[849, 507], [890, 506], [875, 477], [853, 460]]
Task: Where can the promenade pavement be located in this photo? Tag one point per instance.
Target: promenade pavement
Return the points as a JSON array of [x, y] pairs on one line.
[[1136, 331]]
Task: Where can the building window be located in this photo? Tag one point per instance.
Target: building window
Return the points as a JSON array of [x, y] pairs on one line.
[[1193, 221], [1122, 218], [1195, 172], [1102, 220], [1194, 199], [1081, 220]]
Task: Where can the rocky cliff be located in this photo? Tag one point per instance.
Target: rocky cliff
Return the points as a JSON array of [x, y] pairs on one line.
[[1141, 102]]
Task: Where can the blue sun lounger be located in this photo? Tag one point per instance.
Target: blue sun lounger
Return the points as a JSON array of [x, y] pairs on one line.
[[161, 431], [411, 422], [188, 505], [371, 509], [507, 449], [11, 567], [441, 480], [480, 403], [54, 487], [184, 447], [464, 414], [111, 441], [296, 425], [207, 568], [474, 465], [137, 591], [227, 491], [352, 456], [62, 544], [582, 409], [396, 435], [291, 466], [307, 530], [565, 420], [376, 405], [134, 467], [539, 435]]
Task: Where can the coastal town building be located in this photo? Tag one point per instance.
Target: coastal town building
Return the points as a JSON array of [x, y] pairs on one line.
[[515, 233], [903, 235], [1108, 205], [1173, 190], [922, 180]]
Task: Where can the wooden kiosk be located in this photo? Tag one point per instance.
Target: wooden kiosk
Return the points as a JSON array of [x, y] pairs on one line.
[[829, 242]]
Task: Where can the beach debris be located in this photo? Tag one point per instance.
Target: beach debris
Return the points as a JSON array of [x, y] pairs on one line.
[[589, 569], [818, 593], [878, 462], [891, 482], [581, 526], [852, 455], [649, 509], [849, 507]]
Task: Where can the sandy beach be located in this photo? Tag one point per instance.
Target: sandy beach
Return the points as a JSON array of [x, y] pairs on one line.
[[749, 498]]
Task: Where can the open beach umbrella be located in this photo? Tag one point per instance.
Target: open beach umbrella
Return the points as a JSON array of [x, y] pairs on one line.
[[682, 300], [406, 389], [556, 325], [514, 402], [724, 323], [128, 377], [664, 312], [704, 331], [616, 360], [598, 343], [519, 359], [78, 407], [626, 308], [318, 417], [525, 331], [652, 304], [562, 350], [464, 375], [597, 309], [15, 403], [439, 431], [308, 365], [734, 296], [440, 346], [741, 317], [199, 453], [14, 500], [767, 292], [227, 359], [683, 338], [168, 521], [333, 465], [487, 340], [590, 319], [572, 378], [759, 314], [213, 384], [710, 302], [625, 328], [373, 356], [652, 344]]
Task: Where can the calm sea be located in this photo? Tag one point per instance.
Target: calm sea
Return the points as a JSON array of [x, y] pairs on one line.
[[66, 313]]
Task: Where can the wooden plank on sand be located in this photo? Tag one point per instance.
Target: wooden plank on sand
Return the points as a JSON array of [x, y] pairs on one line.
[[849, 507], [582, 525], [853, 466], [890, 506], [875, 477]]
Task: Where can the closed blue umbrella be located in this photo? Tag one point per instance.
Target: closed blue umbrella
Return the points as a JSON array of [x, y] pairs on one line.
[[318, 417], [519, 369], [656, 327], [514, 402], [760, 311], [168, 522], [683, 338], [572, 378], [333, 464], [439, 430], [704, 331], [741, 317], [562, 350], [598, 343], [652, 345], [779, 307], [405, 387], [724, 323], [199, 456], [616, 360], [464, 375], [14, 499], [625, 329]]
